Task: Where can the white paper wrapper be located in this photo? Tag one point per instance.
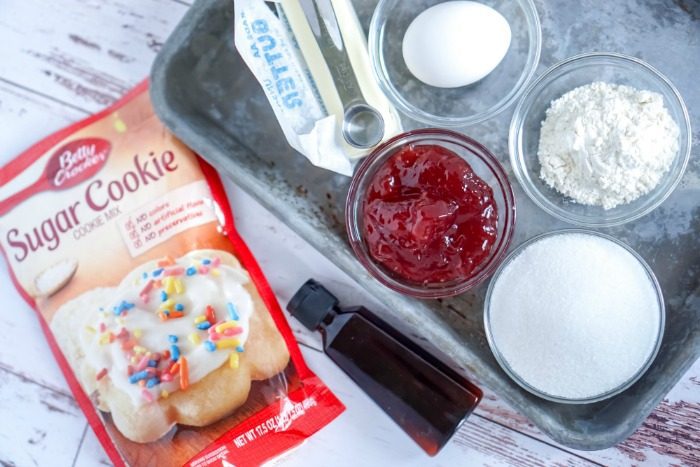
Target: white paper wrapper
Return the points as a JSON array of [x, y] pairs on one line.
[[267, 46]]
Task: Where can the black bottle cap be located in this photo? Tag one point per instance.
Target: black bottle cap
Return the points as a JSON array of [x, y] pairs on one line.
[[311, 304]]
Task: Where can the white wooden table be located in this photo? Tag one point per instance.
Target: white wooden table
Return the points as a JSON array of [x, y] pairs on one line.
[[61, 60]]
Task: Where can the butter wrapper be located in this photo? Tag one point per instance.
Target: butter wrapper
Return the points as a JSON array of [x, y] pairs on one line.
[[276, 42], [268, 47]]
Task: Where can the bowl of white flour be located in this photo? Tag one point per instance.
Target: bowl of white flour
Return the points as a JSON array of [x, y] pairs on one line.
[[600, 139]]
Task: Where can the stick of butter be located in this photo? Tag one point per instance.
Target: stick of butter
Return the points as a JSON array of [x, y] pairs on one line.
[[356, 45], [277, 44]]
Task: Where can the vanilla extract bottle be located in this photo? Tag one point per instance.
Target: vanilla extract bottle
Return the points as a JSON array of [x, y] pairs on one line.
[[424, 396]]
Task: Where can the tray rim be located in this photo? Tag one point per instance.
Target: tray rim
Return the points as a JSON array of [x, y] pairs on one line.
[[165, 108]]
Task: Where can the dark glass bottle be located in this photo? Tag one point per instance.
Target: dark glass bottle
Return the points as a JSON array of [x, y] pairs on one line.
[[425, 397]]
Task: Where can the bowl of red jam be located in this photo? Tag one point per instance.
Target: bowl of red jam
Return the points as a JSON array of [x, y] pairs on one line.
[[430, 213]]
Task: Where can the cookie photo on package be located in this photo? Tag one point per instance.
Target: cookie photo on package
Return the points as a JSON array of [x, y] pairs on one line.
[[160, 318]]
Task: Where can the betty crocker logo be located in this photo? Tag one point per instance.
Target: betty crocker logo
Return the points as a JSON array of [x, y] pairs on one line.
[[71, 164], [77, 161]]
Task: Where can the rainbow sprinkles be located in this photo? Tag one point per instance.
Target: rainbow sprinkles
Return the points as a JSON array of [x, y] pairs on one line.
[[170, 324]]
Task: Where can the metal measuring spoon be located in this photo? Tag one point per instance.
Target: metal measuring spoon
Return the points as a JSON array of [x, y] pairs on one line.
[[363, 125]]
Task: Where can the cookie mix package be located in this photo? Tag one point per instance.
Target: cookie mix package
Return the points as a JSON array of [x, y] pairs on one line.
[[159, 316]]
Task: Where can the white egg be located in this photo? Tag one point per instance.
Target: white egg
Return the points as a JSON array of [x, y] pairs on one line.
[[455, 43]]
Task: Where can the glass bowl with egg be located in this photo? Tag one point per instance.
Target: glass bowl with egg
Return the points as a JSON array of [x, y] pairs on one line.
[[430, 213], [454, 63], [625, 203]]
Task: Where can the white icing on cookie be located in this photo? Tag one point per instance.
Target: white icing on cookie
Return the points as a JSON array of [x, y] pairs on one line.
[[215, 286]]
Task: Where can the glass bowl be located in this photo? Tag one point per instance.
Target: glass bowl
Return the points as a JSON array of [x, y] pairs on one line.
[[483, 163], [461, 106], [524, 384], [563, 77]]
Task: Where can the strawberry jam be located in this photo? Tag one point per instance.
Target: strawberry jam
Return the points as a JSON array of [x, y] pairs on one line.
[[427, 217]]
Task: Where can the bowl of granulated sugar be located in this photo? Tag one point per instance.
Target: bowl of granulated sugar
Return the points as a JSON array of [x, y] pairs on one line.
[[574, 316]]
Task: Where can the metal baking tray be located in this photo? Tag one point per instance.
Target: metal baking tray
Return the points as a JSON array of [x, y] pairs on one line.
[[205, 94]]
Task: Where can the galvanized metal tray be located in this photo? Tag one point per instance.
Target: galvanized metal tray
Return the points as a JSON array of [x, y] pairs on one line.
[[206, 95]]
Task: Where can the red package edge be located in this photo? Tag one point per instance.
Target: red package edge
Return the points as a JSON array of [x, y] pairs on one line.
[[276, 442]]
